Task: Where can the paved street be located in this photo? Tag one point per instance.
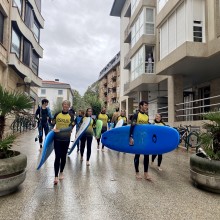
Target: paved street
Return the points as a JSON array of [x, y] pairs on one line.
[[107, 189]]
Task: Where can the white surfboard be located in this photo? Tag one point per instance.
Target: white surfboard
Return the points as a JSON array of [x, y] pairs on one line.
[[119, 123], [79, 134]]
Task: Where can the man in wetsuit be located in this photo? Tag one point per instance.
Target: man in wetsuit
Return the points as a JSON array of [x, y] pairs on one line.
[[43, 115], [140, 118]]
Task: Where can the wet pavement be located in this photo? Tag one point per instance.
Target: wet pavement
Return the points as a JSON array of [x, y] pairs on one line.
[[107, 189]]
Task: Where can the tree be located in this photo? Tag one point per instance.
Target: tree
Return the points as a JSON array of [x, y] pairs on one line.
[[91, 98]]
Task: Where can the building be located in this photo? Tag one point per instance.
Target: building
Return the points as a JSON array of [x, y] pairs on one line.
[[169, 54], [55, 92], [109, 83], [20, 25]]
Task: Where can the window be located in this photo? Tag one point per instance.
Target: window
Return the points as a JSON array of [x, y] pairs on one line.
[[15, 44], [137, 30], [18, 4], [60, 92], [43, 91], [149, 21], [35, 62], [137, 64], [160, 4], [36, 31], [1, 27], [197, 31], [134, 4]]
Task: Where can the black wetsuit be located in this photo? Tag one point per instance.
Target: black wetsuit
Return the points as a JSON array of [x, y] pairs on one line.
[[64, 122], [139, 118], [87, 139]]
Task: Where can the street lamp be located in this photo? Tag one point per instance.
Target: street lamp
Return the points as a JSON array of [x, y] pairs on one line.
[[27, 81], [27, 84]]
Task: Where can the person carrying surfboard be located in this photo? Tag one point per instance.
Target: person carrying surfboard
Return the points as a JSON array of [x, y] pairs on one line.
[[115, 115], [78, 120], [140, 118], [122, 116], [64, 123], [87, 136], [104, 118], [44, 116], [158, 121]]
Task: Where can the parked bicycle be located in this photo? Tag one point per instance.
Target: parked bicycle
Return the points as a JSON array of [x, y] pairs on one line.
[[191, 138]]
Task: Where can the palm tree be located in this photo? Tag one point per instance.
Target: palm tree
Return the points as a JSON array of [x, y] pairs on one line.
[[210, 139], [11, 103]]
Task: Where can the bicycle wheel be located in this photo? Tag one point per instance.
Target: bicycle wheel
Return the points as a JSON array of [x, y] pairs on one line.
[[193, 140]]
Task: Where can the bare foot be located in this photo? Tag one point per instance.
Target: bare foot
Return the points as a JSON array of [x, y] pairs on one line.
[[138, 176], [61, 176], [147, 177], [56, 180]]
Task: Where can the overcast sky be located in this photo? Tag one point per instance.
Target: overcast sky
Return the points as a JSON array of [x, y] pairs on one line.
[[79, 39]]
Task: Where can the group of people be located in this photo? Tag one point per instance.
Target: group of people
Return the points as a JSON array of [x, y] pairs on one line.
[[63, 122]]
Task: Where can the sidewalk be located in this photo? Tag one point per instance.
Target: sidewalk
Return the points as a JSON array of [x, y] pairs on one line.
[[107, 189]]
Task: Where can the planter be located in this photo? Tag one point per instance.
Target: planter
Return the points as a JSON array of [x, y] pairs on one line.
[[12, 173], [205, 173]]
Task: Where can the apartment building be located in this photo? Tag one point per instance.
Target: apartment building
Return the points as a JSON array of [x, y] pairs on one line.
[[55, 92], [20, 25], [182, 40], [109, 83]]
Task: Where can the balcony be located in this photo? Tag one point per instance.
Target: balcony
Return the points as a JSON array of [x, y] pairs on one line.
[[114, 85], [23, 71], [114, 75], [127, 34], [19, 23], [198, 61], [144, 82], [104, 82]]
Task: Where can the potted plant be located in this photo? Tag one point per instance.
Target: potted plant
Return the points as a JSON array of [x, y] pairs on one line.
[[12, 163], [205, 165]]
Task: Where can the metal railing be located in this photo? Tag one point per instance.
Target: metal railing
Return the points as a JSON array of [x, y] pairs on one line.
[[193, 110], [149, 67], [23, 123], [163, 111]]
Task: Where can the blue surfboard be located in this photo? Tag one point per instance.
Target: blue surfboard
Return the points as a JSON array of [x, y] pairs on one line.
[[47, 148], [148, 139], [79, 134]]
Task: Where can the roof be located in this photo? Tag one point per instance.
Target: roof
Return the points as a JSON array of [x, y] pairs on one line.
[[111, 65], [117, 8], [56, 85]]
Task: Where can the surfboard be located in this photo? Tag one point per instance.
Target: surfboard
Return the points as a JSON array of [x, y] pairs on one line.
[[98, 128], [47, 148], [148, 139], [119, 123], [79, 134]]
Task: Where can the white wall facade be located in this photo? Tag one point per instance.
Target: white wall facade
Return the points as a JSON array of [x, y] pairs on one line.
[[186, 23], [53, 95]]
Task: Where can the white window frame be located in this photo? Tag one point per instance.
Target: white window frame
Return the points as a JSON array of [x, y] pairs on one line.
[[43, 91], [149, 22], [60, 92]]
